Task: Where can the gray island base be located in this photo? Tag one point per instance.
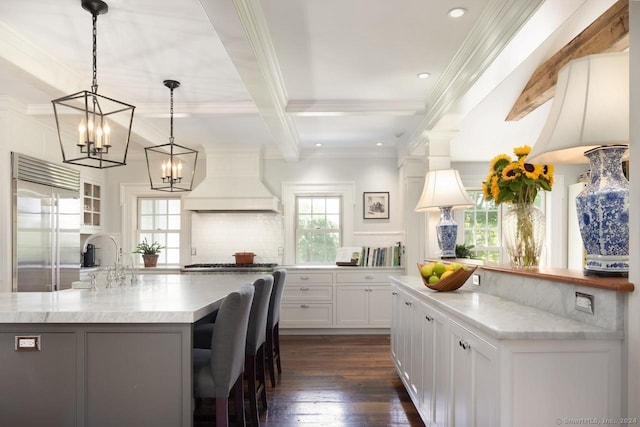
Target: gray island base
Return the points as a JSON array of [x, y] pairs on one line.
[[115, 357]]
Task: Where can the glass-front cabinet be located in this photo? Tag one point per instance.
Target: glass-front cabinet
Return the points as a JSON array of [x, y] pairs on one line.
[[91, 206]]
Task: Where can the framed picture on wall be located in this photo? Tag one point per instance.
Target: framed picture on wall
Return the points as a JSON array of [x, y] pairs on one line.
[[375, 205]]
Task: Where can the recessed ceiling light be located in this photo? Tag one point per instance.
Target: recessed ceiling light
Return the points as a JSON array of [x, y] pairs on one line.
[[379, 144], [457, 12], [423, 75], [318, 144]]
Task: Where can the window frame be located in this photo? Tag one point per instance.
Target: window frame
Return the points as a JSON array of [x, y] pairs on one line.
[[162, 261], [129, 194], [543, 201], [324, 231], [346, 190]]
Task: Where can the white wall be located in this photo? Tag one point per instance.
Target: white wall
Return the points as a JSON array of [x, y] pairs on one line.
[[368, 175], [632, 327]]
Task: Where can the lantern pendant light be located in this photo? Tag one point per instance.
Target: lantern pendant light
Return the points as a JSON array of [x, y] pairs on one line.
[[93, 130], [171, 166]]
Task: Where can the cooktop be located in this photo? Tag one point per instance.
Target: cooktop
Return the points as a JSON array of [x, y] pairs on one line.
[[231, 267]]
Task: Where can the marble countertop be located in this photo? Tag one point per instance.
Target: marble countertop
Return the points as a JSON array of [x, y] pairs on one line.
[[501, 318], [334, 267], [157, 298]]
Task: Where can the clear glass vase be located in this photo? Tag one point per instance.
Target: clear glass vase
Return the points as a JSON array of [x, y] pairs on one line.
[[523, 231]]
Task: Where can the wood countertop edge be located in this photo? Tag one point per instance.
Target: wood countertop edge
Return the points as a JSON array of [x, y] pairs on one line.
[[575, 277], [563, 275]]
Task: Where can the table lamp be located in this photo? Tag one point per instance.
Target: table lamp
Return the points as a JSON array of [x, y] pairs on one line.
[[443, 189], [589, 123]]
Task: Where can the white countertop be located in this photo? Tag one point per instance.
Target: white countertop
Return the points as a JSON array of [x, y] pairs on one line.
[[501, 318], [157, 298], [336, 267]]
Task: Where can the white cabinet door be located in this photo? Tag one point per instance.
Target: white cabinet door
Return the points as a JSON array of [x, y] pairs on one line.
[[379, 306], [363, 305], [396, 325], [352, 305], [407, 355], [433, 401], [474, 374]]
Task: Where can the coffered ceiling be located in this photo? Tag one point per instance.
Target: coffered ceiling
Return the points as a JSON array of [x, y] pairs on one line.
[[289, 75]]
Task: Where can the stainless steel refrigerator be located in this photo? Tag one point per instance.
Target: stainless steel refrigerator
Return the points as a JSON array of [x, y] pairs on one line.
[[46, 225]]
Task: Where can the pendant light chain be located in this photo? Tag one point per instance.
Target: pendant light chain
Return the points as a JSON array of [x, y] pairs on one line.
[[171, 132], [94, 85]]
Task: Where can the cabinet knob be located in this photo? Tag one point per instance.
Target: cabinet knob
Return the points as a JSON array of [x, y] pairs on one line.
[[407, 303], [465, 345], [304, 306], [368, 277], [394, 293], [304, 289], [429, 318], [304, 277]]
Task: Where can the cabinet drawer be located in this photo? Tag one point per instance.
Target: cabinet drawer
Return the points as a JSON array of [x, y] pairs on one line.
[[304, 315], [301, 292], [309, 277], [364, 277]]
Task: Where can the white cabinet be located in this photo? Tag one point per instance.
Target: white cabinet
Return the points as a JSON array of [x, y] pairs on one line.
[[406, 351], [363, 305], [458, 375], [91, 207], [307, 300], [337, 297], [434, 396], [363, 299], [473, 383]]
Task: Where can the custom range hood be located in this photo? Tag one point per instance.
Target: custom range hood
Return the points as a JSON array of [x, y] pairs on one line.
[[233, 183]]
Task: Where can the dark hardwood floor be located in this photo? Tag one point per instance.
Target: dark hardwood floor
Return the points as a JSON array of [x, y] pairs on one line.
[[337, 380]]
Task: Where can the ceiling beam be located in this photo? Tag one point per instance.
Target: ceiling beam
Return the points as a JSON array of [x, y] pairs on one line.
[[242, 29], [608, 33]]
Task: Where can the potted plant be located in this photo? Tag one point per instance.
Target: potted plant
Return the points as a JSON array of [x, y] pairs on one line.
[[149, 252]]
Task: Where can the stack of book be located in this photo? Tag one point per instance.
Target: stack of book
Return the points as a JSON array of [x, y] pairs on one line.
[[390, 256]]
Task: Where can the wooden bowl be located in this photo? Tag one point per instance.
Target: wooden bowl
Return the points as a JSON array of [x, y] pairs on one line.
[[452, 281]]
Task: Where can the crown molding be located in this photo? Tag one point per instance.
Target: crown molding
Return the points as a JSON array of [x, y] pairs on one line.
[[499, 22]]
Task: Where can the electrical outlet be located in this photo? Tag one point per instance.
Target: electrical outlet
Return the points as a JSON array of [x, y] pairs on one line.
[[27, 343], [475, 279], [584, 302], [194, 252], [281, 251]]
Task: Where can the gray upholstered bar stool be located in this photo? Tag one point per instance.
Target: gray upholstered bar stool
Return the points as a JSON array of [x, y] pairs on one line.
[[273, 324], [255, 344], [217, 371], [254, 353]]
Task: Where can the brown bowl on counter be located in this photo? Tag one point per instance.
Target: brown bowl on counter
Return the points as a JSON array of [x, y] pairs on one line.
[[450, 283]]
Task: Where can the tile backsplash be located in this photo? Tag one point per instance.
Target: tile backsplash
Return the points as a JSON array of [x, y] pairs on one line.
[[217, 236]]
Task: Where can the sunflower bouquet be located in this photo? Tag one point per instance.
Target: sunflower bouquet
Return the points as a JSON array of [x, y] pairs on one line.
[[515, 181]]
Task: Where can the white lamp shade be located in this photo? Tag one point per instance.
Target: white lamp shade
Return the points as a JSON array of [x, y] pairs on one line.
[[590, 109], [443, 188]]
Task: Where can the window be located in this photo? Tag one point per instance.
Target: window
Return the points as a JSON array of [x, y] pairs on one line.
[[159, 221], [318, 229], [482, 227]]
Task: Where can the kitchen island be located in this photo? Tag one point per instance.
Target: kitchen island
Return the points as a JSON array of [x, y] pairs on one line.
[[118, 356]]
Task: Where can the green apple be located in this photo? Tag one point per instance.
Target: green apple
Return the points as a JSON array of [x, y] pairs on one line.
[[433, 279], [427, 269], [439, 268]]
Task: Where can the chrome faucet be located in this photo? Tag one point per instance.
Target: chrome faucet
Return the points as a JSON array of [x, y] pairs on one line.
[[113, 239]]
